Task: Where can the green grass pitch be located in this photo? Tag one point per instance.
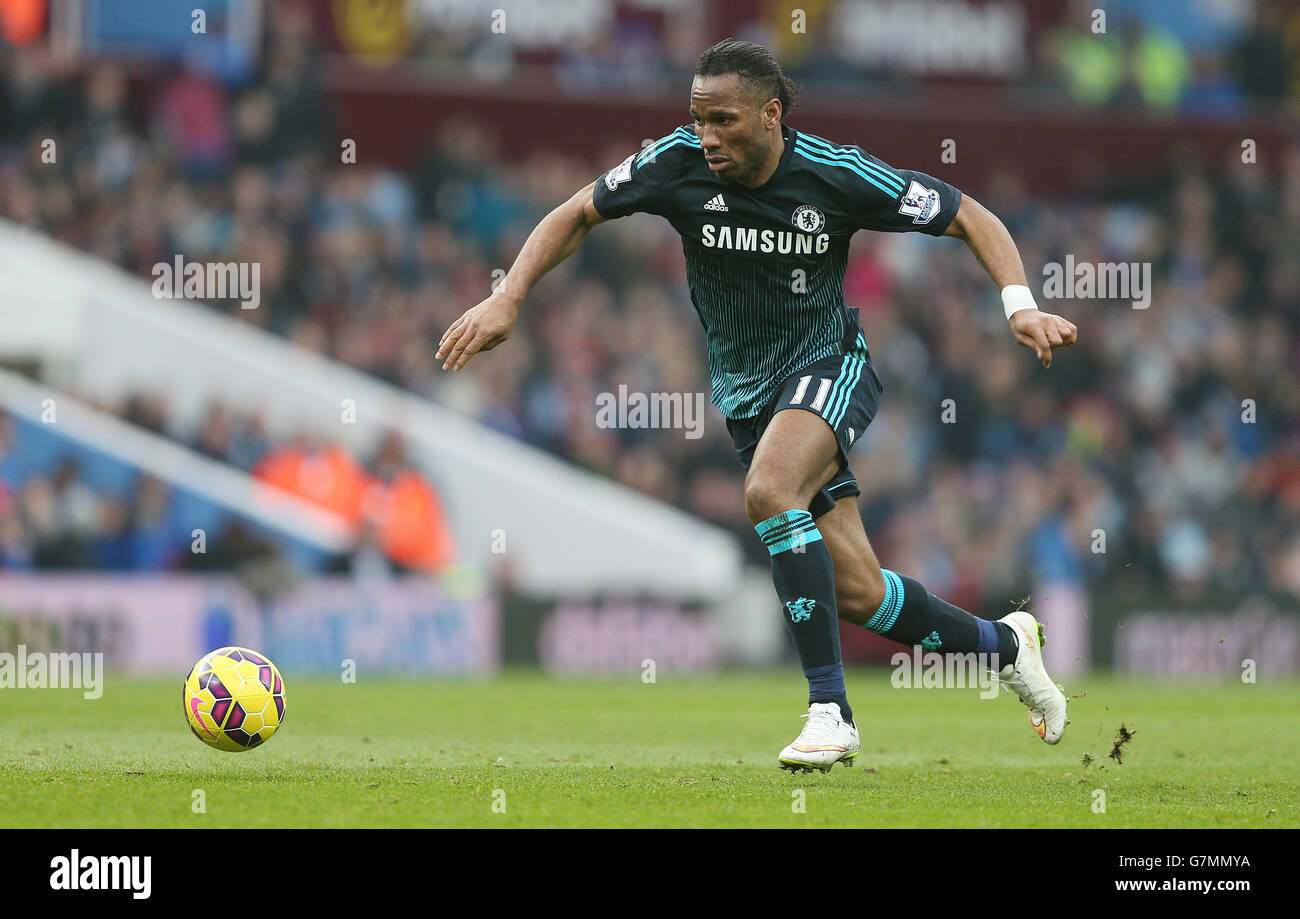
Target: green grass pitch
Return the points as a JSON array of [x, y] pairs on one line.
[[697, 752]]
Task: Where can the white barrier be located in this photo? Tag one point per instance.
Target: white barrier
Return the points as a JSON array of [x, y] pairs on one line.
[[97, 329]]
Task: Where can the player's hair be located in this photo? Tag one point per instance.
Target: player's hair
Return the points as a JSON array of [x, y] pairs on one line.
[[757, 68]]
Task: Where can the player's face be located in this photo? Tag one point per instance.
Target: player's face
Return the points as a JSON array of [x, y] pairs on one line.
[[732, 125]]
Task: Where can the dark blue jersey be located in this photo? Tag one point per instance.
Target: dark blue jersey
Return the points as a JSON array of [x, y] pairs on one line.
[[766, 265]]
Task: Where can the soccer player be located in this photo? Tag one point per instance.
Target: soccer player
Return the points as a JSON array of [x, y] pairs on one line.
[[765, 214]]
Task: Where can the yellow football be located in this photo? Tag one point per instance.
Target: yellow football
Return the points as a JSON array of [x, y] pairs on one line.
[[234, 699]]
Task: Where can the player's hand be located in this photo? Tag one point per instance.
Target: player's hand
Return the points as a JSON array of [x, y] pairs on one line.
[[1041, 332], [481, 328]]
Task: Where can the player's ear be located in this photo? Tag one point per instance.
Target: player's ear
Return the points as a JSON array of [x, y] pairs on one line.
[[772, 114]]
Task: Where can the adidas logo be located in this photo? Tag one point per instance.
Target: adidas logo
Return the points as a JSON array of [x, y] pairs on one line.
[[716, 204]]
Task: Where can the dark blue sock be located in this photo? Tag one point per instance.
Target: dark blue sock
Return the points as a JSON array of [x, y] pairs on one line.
[[805, 583], [911, 615]]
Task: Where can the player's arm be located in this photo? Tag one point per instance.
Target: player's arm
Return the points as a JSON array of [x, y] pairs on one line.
[[486, 325], [996, 251]]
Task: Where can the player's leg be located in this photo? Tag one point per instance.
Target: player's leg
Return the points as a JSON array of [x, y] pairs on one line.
[[901, 609], [858, 579], [796, 455], [895, 605]]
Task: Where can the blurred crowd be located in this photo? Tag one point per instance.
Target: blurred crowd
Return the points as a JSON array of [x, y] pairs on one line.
[[66, 508], [59, 515], [62, 509], [1146, 63], [1161, 453], [1152, 55]]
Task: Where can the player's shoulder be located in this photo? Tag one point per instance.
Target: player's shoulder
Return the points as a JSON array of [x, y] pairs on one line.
[[648, 180], [670, 152], [848, 165], [658, 161]]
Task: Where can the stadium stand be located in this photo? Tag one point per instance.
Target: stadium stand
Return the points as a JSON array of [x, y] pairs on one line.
[[1139, 426]]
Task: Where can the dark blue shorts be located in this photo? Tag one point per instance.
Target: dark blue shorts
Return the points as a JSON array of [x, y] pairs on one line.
[[842, 389]]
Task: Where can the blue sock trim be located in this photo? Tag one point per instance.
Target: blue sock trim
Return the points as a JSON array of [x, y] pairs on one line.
[[799, 539], [890, 607], [783, 520], [988, 641], [788, 529], [826, 682]]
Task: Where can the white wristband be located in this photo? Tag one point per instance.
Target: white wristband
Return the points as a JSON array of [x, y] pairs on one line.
[[1017, 297]]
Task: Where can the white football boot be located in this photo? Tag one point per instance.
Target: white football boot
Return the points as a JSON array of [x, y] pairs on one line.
[[1028, 679], [826, 739]]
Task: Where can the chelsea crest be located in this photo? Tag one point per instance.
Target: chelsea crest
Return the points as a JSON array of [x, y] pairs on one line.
[[808, 219]]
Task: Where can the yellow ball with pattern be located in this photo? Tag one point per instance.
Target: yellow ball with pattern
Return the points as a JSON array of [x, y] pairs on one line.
[[234, 699]]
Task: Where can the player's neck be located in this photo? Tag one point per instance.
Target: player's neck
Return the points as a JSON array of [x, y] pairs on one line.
[[769, 168]]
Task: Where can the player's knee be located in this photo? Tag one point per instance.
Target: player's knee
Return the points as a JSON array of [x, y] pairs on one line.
[[765, 498]]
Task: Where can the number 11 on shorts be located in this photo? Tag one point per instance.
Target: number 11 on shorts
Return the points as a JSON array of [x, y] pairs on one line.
[[822, 391]]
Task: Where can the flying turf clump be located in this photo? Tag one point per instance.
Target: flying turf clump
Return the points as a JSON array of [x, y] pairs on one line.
[[1123, 737]]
